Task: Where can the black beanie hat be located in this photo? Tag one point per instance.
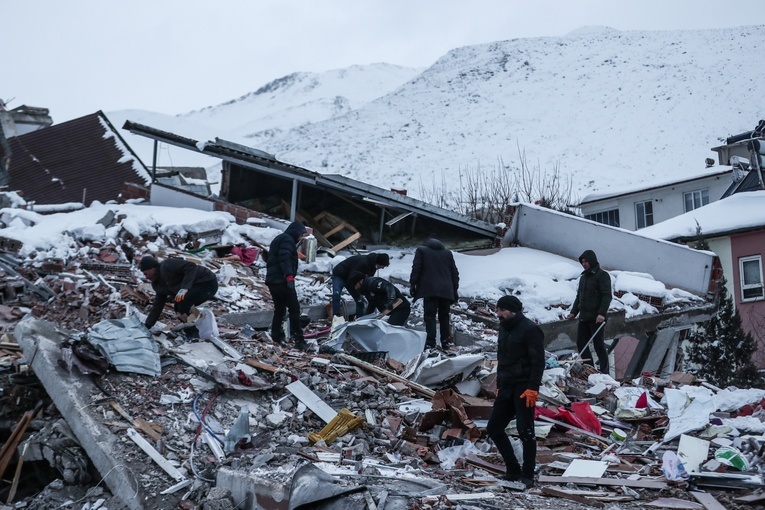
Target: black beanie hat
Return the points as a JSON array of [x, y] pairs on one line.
[[382, 259], [510, 303], [147, 262]]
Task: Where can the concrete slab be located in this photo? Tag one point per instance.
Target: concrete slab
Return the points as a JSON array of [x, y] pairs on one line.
[[71, 392]]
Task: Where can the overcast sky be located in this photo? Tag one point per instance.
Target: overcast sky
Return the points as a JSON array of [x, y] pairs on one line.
[[172, 56]]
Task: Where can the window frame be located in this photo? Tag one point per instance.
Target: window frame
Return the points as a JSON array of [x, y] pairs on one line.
[[748, 286], [643, 215], [608, 214], [701, 199]]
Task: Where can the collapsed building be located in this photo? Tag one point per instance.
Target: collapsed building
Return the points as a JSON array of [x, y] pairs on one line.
[[231, 420]]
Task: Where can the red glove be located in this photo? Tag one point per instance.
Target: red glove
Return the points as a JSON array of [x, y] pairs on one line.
[[531, 397], [290, 278], [291, 282]]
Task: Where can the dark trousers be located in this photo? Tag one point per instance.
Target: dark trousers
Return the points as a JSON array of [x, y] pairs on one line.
[[584, 332], [507, 406], [436, 308], [196, 295], [338, 284], [285, 299], [398, 316]]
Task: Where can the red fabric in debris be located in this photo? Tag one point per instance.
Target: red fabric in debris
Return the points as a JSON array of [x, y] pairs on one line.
[[246, 255], [642, 401], [584, 413]]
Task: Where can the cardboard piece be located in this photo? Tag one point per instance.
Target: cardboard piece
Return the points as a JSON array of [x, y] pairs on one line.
[[586, 468], [692, 452]]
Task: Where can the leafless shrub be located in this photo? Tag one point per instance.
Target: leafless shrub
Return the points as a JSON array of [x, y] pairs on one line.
[[486, 194]]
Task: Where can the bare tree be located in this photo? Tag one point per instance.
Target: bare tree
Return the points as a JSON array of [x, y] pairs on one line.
[[486, 194]]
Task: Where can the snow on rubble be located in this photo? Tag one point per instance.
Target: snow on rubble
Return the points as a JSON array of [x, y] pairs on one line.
[[545, 283]]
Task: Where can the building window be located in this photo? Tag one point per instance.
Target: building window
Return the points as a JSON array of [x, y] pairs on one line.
[[750, 269], [606, 217], [644, 214], [695, 199]]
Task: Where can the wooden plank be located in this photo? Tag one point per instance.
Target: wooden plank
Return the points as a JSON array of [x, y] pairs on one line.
[[755, 497], [155, 455], [418, 388], [547, 491], [339, 246], [706, 499], [618, 482], [335, 230], [261, 366], [674, 503], [312, 401]]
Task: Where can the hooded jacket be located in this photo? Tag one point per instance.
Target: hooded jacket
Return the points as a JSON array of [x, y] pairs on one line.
[[520, 352], [434, 273], [173, 275], [593, 295], [366, 264], [282, 254]]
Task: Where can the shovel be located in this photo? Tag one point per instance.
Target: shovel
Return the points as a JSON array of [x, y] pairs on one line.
[[387, 311], [586, 346]]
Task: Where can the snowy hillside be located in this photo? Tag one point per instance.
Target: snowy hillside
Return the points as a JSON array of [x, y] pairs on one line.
[[300, 98], [612, 108]]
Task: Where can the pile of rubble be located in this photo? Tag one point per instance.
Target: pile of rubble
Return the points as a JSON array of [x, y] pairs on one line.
[[233, 420]]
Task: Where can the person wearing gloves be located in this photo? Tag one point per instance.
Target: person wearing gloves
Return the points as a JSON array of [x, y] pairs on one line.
[[381, 296], [185, 283], [521, 358], [281, 268], [593, 298], [435, 279], [367, 264]]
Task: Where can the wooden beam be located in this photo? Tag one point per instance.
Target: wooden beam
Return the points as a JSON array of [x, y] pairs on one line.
[[707, 500], [423, 390], [616, 482], [548, 491], [339, 246], [335, 230]]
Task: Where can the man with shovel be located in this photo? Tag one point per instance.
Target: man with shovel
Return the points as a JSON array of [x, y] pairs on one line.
[[382, 296], [593, 298]]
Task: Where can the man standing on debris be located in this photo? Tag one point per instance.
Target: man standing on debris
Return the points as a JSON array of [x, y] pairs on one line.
[[435, 279], [281, 269], [382, 296], [521, 358], [184, 282], [367, 264], [593, 298]]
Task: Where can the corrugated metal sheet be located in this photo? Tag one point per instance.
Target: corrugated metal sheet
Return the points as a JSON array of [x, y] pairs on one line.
[[76, 161]]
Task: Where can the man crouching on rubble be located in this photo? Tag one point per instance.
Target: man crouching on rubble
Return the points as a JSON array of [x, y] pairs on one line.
[[521, 357], [184, 282]]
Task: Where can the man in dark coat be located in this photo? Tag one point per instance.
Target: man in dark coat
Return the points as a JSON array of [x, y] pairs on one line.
[[281, 269], [521, 358], [381, 296], [186, 283], [367, 264], [435, 279], [593, 298]]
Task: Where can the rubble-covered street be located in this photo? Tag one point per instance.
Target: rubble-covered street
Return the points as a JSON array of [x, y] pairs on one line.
[[97, 412]]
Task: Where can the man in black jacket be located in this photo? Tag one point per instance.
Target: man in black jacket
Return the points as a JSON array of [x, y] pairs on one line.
[[281, 269], [435, 279], [186, 283], [521, 358], [367, 264], [381, 296], [593, 298]]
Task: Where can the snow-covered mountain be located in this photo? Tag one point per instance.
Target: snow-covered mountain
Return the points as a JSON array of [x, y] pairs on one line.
[[610, 108]]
